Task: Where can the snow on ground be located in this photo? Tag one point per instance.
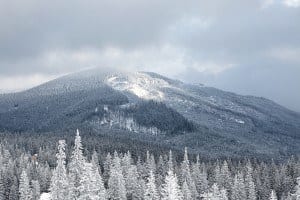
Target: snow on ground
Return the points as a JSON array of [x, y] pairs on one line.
[[239, 121], [140, 84], [45, 196]]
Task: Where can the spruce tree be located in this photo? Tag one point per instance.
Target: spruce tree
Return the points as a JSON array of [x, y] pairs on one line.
[[91, 185], [215, 193], [141, 167], [186, 175], [126, 163], [76, 167], [95, 161], [24, 187], [36, 190], [106, 168], [116, 182], [160, 173], [2, 185], [225, 177], [13, 193], [98, 183], [186, 193], [151, 192], [150, 163], [223, 194], [171, 189], [216, 174], [238, 191], [44, 176], [249, 183], [273, 195], [170, 162], [200, 177], [296, 194], [59, 187], [134, 185]]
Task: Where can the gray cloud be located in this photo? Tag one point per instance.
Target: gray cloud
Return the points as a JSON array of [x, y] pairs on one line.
[[249, 47]]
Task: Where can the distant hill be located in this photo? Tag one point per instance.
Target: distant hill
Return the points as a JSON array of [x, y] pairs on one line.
[[207, 120]]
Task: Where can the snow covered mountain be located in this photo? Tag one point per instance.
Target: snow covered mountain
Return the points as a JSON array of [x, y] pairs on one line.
[[203, 118]]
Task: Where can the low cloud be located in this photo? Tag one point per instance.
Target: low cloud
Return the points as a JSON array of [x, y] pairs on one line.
[[228, 44], [286, 54], [19, 82], [292, 3]]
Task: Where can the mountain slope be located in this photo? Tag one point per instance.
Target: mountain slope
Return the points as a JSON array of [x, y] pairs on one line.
[[205, 119]]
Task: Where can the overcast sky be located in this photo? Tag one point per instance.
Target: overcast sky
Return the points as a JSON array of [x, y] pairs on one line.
[[248, 47]]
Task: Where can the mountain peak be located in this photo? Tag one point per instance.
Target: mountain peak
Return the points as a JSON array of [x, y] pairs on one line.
[[223, 120], [140, 84]]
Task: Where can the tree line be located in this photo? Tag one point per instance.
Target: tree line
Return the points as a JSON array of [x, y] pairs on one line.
[[86, 176]]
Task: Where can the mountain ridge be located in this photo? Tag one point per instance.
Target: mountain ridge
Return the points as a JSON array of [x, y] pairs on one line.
[[240, 124]]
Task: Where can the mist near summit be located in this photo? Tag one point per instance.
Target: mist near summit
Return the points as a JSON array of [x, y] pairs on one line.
[[250, 48]]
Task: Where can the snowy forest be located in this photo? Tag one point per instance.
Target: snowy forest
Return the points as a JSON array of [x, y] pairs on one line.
[[92, 175]]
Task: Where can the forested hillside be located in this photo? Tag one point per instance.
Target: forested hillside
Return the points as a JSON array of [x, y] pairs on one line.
[[140, 105], [68, 170]]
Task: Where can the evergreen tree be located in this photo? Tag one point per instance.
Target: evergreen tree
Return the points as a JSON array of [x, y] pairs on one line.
[[141, 168], [91, 185], [24, 188], [76, 167], [223, 194], [2, 185], [44, 176], [273, 195], [36, 191], [59, 181], [13, 193], [225, 177], [170, 189], [284, 181], [215, 193], [98, 183], [296, 195], [160, 173], [249, 183], [216, 174], [106, 167], [170, 162], [126, 163], [187, 195], [151, 190], [95, 161], [134, 185], [116, 182], [238, 189], [265, 186], [150, 163], [252, 181], [6, 174], [200, 177], [186, 175], [287, 197]]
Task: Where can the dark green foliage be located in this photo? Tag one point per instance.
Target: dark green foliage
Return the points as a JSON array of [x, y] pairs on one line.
[[157, 114], [57, 112]]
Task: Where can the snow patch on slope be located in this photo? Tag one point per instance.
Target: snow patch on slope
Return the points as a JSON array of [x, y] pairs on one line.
[[239, 121], [178, 97], [45, 196], [113, 119], [140, 84]]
